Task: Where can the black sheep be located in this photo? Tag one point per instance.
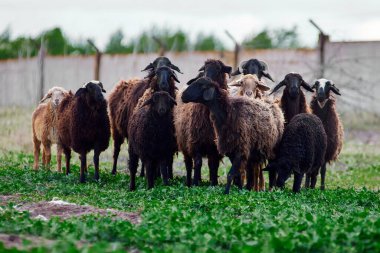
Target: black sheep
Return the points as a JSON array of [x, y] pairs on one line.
[[302, 150], [151, 137], [83, 125]]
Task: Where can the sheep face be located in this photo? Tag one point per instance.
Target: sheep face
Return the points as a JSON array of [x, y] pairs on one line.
[[282, 170], [254, 67], [164, 78], [250, 86], [293, 83], [213, 69], [323, 87], [92, 92], [200, 91], [160, 62], [56, 95], [161, 102]]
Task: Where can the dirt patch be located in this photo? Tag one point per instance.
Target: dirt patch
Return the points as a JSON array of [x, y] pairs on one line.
[[5, 199], [368, 137], [65, 210], [23, 241]]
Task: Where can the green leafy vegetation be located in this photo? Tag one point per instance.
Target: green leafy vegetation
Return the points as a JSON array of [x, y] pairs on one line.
[[344, 218]]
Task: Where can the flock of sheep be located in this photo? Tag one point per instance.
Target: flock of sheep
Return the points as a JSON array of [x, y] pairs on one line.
[[210, 118]]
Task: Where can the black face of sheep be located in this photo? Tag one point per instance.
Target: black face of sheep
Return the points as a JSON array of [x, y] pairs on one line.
[[293, 82], [160, 62], [200, 91], [212, 69], [164, 78], [323, 88], [161, 102], [92, 92], [254, 67]]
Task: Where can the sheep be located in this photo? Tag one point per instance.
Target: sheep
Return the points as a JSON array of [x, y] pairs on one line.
[[151, 132], [244, 128], [248, 85], [193, 128], [255, 67], [83, 125], [125, 96], [44, 126], [293, 100], [323, 105], [160, 62], [302, 150]]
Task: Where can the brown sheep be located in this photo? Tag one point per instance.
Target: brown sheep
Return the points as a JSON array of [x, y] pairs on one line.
[[83, 125], [194, 132], [126, 95], [245, 128], [44, 126], [323, 106]]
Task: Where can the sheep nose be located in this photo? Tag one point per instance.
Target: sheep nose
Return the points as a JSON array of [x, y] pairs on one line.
[[248, 93], [161, 111], [56, 101]]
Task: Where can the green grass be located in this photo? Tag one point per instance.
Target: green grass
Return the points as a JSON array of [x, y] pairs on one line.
[[344, 218]]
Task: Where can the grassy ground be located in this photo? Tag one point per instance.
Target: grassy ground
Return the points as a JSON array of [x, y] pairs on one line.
[[344, 218]]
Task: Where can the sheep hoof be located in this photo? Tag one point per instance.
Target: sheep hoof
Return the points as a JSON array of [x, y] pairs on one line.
[[322, 187]]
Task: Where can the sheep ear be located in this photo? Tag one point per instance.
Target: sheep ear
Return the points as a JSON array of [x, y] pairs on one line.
[[80, 91], [150, 66], [46, 97], [208, 94], [227, 69], [202, 68], [314, 85], [172, 66], [236, 72], [267, 75], [306, 86], [236, 84], [278, 86], [262, 86], [264, 65], [173, 100], [192, 80], [174, 75], [148, 102], [335, 89]]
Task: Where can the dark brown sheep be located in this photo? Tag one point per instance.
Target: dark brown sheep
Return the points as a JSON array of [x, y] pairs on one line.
[[323, 105], [254, 67], [125, 96], [151, 132], [245, 128], [194, 131], [302, 151], [293, 99], [83, 125]]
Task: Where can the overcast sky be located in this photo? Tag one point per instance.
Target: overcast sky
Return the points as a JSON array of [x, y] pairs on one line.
[[342, 19]]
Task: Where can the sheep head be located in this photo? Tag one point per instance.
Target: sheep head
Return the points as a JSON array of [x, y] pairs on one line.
[[216, 70], [160, 62], [323, 87], [293, 83], [202, 91], [250, 86], [163, 80], [91, 92], [255, 67], [161, 102], [55, 95]]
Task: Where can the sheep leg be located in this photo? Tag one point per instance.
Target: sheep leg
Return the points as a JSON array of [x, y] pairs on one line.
[[132, 166], [323, 174], [197, 169], [307, 181], [256, 177], [83, 165], [37, 145], [189, 168], [261, 178], [142, 172], [170, 167], [234, 171], [96, 164], [249, 171], [67, 152], [43, 156], [47, 148], [164, 171], [272, 179], [117, 141], [297, 181], [213, 164], [59, 158], [313, 181], [150, 173]]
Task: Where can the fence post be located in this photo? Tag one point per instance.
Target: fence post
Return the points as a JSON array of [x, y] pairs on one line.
[[161, 44], [98, 58], [41, 70], [236, 49], [322, 39]]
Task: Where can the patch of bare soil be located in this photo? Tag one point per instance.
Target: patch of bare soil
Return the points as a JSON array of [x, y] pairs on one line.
[[65, 210], [17, 241], [370, 137], [5, 199]]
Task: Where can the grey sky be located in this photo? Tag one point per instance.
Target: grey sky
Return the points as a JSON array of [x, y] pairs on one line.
[[343, 20]]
